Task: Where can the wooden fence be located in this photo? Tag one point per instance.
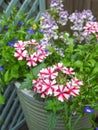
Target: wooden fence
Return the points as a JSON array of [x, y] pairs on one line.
[[31, 7], [72, 5]]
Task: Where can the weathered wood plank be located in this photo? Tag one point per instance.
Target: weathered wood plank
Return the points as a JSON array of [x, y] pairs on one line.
[[11, 4]]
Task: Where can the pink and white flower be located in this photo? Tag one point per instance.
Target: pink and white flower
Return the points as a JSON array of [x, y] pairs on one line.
[[59, 66], [69, 71], [48, 83], [72, 89], [49, 86], [62, 93], [91, 27], [76, 82], [33, 42], [20, 54], [39, 56], [20, 45], [48, 73], [31, 60], [31, 50]]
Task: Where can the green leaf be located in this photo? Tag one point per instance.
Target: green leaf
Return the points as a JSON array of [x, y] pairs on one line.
[[52, 120], [6, 76], [53, 105], [95, 70], [2, 100], [92, 62], [51, 49], [79, 64], [36, 70]]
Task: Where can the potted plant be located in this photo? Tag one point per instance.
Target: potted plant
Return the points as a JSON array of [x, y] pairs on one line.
[[61, 83]]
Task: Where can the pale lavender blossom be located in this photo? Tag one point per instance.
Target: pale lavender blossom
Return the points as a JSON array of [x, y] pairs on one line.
[[78, 21], [48, 26], [79, 18], [45, 15], [63, 17], [56, 4], [88, 15], [44, 42], [59, 51]]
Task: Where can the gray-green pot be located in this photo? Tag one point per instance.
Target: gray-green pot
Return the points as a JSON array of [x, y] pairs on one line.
[[36, 116]]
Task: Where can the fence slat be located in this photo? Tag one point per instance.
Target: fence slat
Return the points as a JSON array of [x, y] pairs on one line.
[[1, 1], [17, 126], [42, 5], [10, 114], [11, 4], [6, 94], [23, 7], [8, 104], [15, 118], [35, 5]]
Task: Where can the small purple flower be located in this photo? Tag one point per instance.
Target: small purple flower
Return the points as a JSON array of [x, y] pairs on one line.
[[1, 68], [11, 43], [88, 109], [45, 51], [21, 23], [96, 128], [31, 31], [6, 27]]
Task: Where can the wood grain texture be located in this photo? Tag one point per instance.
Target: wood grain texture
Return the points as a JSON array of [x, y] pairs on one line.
[[72, 5]]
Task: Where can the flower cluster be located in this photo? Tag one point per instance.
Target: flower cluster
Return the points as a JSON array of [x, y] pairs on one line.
[[56, 4], [57, 81], [91, 28], [48, 26], [52, 24], [31, 50], [78, 19]]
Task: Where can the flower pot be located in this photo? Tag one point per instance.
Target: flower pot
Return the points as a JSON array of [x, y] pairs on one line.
[[36, 116]]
